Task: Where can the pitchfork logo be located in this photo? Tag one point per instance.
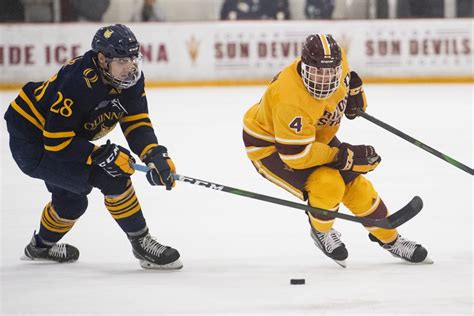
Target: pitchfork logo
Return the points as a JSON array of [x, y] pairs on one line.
[[193, 48]]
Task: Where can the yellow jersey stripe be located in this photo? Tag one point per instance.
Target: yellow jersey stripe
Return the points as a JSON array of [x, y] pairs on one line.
[[43, 88], [58, 147], [324, 40], [89, 158], [252, 149], [297, 156], [32, 107], [295, 141], [58, 134], [30, 118], [146, 149], [134, 117], [275, 179], [135, 126], [257, 135]]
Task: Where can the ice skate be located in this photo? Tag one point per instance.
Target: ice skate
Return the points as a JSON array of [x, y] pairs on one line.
[[59, 252], [331, 245], [153, 255], [405, 249]]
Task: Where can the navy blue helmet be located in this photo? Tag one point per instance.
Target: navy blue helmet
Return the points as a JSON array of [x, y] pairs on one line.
[[115, 41], [121, 49]]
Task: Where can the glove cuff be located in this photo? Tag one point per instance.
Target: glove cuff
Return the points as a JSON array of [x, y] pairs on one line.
[[158, 150], [99, 154]]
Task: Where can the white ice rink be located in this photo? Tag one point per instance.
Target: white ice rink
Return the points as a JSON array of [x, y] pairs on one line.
[[239, 254]]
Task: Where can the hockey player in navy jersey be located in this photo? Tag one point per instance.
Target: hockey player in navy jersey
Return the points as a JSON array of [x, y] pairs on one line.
[[51, 126]]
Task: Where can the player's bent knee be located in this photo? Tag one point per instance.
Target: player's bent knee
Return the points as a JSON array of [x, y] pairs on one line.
[[70, 208], [116, 186], [360, 187], [325, 187], [108, 185], [360, 195]]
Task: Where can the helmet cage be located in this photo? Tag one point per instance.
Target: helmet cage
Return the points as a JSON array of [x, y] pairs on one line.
[[321, 82], [133, 75]]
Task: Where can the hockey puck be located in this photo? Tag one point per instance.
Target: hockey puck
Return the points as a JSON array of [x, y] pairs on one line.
[[297, 281]]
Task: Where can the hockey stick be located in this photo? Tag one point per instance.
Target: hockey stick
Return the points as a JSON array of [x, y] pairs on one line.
[[396, 219], [406, 137]]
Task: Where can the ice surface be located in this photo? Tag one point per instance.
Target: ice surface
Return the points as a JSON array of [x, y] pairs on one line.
[[240, 254]]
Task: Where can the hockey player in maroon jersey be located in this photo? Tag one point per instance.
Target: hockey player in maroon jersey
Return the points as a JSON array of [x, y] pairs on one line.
[[51, 126], [290, 137]]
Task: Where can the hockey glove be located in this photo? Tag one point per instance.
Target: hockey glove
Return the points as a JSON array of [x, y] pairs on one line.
[[114, 159], [356, 99], [360, 158], [161, 167]]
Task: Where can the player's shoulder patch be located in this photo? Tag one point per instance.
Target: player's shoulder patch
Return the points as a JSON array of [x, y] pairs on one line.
[[90, 76], [82, 71]]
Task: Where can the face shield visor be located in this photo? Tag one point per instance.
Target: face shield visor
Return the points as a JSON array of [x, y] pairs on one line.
[[123, 73], [321, 82]]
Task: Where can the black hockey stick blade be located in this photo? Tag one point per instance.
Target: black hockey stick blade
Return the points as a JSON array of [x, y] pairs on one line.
[[393, 221], [405, 213]]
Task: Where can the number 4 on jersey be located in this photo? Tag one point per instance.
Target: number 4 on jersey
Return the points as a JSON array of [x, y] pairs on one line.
[[297, 124]]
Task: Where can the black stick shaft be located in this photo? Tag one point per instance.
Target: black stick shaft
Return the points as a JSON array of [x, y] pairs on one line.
[[383, 222], [416, 142]]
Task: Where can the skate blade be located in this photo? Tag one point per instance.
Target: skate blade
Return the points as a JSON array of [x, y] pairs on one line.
[[341, 263], [426, 261], [175, 265], [26, 258]]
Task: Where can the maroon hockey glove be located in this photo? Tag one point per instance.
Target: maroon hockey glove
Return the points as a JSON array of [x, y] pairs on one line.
[[161, 167], [356, 99], [359, 158], [114, 159]]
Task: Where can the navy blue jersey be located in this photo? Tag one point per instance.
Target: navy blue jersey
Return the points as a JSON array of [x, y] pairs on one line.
[[74, 107]]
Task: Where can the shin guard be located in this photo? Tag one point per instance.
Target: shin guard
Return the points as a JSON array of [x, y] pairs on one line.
[[363, 201], [53, 227], [126, 210]]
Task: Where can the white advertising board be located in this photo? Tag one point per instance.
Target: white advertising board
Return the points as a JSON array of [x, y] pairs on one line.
[[239, 51]]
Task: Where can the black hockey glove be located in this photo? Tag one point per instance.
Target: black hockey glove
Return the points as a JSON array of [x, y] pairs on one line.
[[161, 167], [114, 159], [359, 158], [356, 99]]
